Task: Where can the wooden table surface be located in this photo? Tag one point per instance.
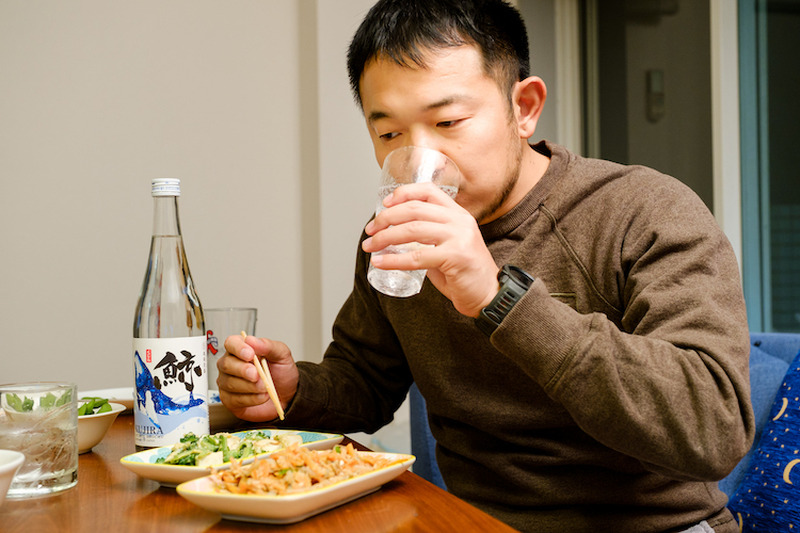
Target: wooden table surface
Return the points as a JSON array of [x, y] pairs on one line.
[[108, 495]]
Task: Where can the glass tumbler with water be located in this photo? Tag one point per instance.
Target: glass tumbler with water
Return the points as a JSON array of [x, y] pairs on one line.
[[410, 164], [40, 420]]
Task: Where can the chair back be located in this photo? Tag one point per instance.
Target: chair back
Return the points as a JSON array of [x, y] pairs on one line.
[[423, 445]]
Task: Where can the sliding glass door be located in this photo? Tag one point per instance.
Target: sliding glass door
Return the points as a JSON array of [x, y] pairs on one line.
[[769, 33]]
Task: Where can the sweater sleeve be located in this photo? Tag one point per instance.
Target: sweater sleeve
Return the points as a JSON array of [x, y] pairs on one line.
[[662, 377], [363, 377]]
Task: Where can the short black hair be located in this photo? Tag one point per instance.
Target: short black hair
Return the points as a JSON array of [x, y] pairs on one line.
[[401, 30]]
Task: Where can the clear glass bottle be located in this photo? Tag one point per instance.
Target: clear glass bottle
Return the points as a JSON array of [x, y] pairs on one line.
[[169, 341]]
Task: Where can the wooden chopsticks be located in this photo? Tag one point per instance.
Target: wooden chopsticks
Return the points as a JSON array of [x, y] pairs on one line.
[[266, 377]]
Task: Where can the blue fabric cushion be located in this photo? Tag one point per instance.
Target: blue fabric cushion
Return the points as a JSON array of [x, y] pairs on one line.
[[766, 376], [768, 499], [782, 345]]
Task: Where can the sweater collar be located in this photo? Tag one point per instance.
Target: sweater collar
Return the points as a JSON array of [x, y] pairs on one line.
[[530, 203]]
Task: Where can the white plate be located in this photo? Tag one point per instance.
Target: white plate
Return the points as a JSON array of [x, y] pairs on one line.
[[290, 508], [144, 463], [218, 415]]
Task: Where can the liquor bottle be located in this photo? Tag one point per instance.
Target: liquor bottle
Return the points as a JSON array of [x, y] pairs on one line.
[[169, 341]]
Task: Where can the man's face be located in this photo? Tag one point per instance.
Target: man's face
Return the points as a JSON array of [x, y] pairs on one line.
[[452, 106]]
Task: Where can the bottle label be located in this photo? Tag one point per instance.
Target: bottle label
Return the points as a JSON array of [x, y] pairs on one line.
[[171, 396]]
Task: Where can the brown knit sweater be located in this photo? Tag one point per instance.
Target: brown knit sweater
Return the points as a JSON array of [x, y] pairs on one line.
[[612, 396]]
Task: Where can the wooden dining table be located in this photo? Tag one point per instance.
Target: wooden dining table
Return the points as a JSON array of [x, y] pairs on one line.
[[111, 498]]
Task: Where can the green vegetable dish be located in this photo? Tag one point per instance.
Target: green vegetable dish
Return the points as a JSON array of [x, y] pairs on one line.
[[93, 406], [220, 448]]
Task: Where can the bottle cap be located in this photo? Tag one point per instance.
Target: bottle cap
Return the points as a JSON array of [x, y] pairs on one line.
[[166, 187]]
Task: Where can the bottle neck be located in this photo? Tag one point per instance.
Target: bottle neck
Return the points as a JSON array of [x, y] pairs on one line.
[[165, 216]]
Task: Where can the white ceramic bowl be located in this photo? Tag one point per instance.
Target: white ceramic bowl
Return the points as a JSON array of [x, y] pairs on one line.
[[92, 428], [10, 461]]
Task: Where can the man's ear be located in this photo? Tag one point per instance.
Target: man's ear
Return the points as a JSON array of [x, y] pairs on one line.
[[528, 99]]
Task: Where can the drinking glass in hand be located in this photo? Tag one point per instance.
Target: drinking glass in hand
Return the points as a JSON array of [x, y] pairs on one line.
[[410, 164]]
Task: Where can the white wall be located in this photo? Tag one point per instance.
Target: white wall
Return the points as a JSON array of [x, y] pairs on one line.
[[724, 38], [539, 16], [347, 168], [96, 99]]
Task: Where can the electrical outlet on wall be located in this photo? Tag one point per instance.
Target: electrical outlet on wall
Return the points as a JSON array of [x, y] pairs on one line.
[[655, 100]]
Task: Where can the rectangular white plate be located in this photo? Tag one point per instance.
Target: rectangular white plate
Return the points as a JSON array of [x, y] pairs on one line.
[[290, 508]]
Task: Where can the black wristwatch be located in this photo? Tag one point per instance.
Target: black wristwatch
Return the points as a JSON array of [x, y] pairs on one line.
[[514, 282]]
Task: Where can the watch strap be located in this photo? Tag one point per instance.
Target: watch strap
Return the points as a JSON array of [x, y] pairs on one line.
[[514, 283]]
